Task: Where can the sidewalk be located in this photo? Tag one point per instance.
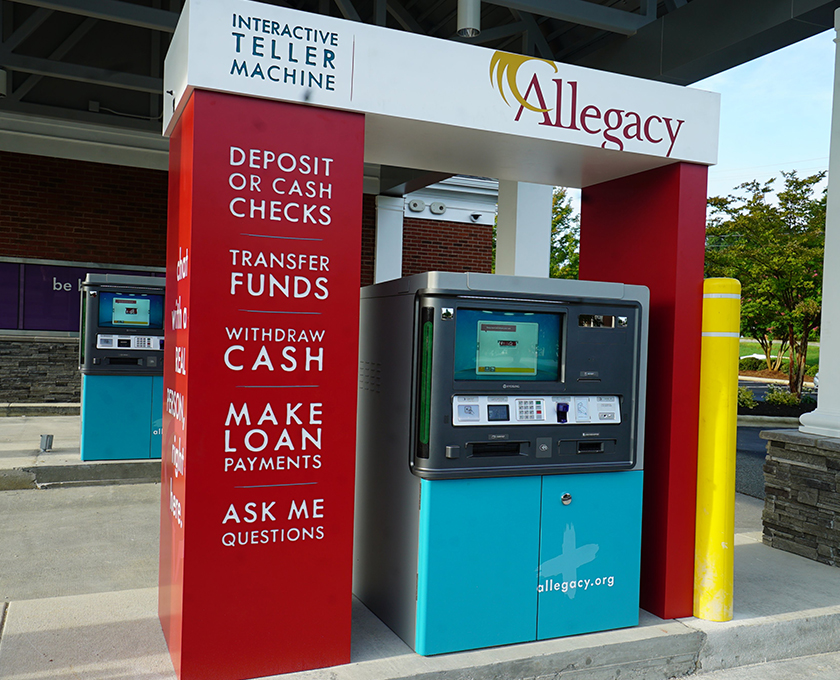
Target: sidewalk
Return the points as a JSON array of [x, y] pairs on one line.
[[78, 569], [24, 466]]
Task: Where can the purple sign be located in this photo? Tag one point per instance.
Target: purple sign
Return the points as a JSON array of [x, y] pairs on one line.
[[51, 295], [9, 294]]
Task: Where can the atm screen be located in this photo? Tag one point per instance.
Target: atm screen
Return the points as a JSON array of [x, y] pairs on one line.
[[494, 345], [130, 310]]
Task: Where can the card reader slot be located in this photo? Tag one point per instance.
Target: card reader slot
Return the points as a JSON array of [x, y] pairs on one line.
[[123, 361], [490, 449]]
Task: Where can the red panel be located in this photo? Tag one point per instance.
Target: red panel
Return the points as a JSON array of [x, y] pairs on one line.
[[170, 575], [649, 229], [268, 203]]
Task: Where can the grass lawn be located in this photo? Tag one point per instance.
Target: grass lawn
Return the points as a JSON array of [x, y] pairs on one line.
[[751, 347]]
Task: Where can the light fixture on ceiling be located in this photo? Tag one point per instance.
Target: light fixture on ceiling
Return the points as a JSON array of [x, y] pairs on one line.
[[469, 18]]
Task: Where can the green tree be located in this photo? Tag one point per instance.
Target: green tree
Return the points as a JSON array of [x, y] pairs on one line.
[[761, 320], [774, 245], [565, 237]]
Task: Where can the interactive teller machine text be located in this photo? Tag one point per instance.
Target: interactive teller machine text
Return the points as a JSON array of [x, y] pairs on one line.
[[499, 474], [121, 359]]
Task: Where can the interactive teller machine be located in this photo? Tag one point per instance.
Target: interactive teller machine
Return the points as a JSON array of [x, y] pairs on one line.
[[121, 359], [499, 475]]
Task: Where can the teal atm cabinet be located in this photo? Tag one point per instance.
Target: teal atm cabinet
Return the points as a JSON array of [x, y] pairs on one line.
[[506, 560], [122, 417]]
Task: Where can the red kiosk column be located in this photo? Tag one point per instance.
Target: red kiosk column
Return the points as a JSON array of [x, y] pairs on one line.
[[649, 229], [262, 296]]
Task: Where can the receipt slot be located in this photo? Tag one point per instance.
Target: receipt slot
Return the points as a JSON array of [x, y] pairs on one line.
[[121, 360], [499, 473]]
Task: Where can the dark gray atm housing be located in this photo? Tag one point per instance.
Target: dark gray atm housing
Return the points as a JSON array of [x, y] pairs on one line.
[[122, 325], [493, 376]]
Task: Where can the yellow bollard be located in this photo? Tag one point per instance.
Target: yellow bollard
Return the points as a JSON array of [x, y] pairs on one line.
[[715, 528]]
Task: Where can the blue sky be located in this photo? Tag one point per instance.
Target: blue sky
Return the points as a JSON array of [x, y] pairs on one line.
[[775, 114]]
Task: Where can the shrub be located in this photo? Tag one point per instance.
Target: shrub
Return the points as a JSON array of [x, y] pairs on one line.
[[746, 398], [751, 364], [776, 394]]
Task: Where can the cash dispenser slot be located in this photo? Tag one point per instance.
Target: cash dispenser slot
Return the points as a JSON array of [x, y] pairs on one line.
[[507, 448], [590, 447]]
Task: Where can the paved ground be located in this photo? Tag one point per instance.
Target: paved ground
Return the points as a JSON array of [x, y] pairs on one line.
[[749, 462], [71, 541], [816, 667]]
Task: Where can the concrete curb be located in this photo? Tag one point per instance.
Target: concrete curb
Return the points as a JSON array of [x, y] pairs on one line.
[[45, 409], [16, 479], [767, 421], [772, 638], [83, 474]]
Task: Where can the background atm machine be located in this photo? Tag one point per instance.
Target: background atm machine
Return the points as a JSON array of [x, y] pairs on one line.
[[499, 474], [121, 359]]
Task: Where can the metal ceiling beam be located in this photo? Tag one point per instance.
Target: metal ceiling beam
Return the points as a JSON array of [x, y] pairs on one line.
[[705, 37], [113, 10], [404, 18], [535, 35], [26, 29], [347, 10], [82, 74], [57, 55], [581, 12], [65, 114], [380, 12]]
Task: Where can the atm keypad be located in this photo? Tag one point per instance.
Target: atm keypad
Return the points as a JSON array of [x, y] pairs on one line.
[[530, 409]]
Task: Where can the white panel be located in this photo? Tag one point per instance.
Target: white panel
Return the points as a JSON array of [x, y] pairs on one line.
[[404, 78], [389, 238], [523, 232], [825, 420]]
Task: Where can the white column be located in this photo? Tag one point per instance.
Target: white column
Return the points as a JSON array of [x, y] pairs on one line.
[[825, 420], [387, 262], [523, 230]]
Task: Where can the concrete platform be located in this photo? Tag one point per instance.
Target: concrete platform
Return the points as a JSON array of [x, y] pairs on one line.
[[24, 466], [78, 573]]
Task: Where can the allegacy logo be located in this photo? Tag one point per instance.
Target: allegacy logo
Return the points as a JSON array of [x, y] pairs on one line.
[[615, 126]]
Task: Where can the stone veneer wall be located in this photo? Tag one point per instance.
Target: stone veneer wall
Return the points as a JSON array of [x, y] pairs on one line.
[[802, 503], [39, 370]]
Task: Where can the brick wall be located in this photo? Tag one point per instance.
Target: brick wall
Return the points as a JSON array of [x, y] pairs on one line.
[[58, 209], [368, 237], [429, 245], [446, 246]]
